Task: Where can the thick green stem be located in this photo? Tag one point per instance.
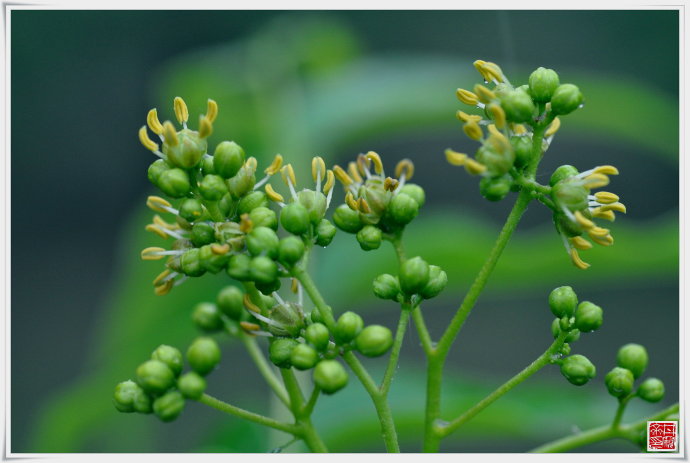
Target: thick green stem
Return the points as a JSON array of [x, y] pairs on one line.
[[395, 351], [622, 403], [305, 428], [247, 415], [264, 368], [318, 300], [422, 331]]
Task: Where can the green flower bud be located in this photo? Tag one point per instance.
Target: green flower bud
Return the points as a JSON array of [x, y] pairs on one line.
[[588, 317], [189, 150], [191, 209], [325, 232], [568, 227], [169, 406], [230, 301], [386, 287], [174, 182], [414, 191], [207, 166], [414, 275], [129, 397], [202, 233], [346, 219], [315, 203], [563, 301], [203, 355], [228, 159], [376, 197], [295, 218], [155, 377], [242, 183], [369, 238], [566, 99], [522, 147], [572, 195], [578, 369], [262, 269], [290, 250], [190, 263], [619, 382], [315, 316], [403, 208], [565, 348], [348, 327], [374, 341], [651, 390], [156, 169], [251, 201], [562, 173], [227, 205], [542, 84], [633, 357], [264, 217], [212, 262], [495, 189], [497, 163], [289, 316], [280, 351], [263, 241], [191, 385], [438, 279], [330, 376], [212, 187], [573, 334], [206, 316], [317, 335], [303, 357], [239, 267], [517, 105], [171, 356], [268, 288]]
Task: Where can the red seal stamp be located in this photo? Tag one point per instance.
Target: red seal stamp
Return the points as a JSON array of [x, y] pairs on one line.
[[662, 436]]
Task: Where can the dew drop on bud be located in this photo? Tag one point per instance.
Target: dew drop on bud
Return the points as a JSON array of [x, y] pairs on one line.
[[582, 105]]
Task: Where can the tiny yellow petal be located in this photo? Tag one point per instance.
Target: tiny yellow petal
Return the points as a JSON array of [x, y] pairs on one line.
[[157, 203], [181, 111], [473, 167], [330, 181], [553, 128], [275, 166], [404, 167], [211, 110], [205, 127], [467, 97], [170, 134], [580, 243], [273, 195], [153, 122], [455, 158], [579, 263], [146, 141], [318, 168], [342, 176], [376, 160], [152, 253]]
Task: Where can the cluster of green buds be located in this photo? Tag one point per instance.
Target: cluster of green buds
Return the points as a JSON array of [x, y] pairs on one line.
[[159, 385], [417, 281], [573, 318], [631, 361], [516, 118], [375, 205]]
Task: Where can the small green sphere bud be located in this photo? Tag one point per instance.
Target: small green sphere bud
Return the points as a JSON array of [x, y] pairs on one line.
[[211, 261], [495, 189], [155, 377], [386, 287], [578, 369], [315, 316], [171, 356], [129, 397], [346, 219], [169, 406], [619, 382], [264, 217], [303, 357], [330, 376], [190, 263], [191, 209], [202, 233], [212, 187], [226, 205], [230, 301], [206, 316], [263, 241], [414, 191], [414, 275], [562, 173], [315, 203], [565, 349], [497, 163], [633, 357], [542, 83], [573, 195], [238, 267], [203, 355], [517, 105], [242, 183], [369, 237], [374, 341], [207, 165], [155, 170], [348, 327], [295, 218], [191, 385], [228, 159], [588, 317], [280, 351], [651, 390], [317, 335], [325, 232], [268, 288], [438, 279], [573, 334], [563, 301], [251, 201], [522, 147], [189, 150], [174, 182], [290, 250], [262, 269], [566, 99], [403, 208]]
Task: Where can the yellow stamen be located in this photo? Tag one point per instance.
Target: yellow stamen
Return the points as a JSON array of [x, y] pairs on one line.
[[479, 66], [211, 110], [596, 180], [350, 200], [605, 197], [606, 215], [473, 167], [288, 173], [273, 195], [467, 97], [152, 228], [162, 290], [553, 128], [454, 158], [330, 181], [618, 207], [464, 117], [580, 243], [251, 164], [404, 167], [181, 111], [363, 163], [161, 276], [162, 223], [473, 130], [583, 221], [354, 172], [249, 328], [220, 249], [484, 94], [579, 263], [493, 71], [146, 141], [342, 176], [246, 223], [170, 134], [150, 253], [294, 285], [498, 115], [363, 206], [376, 160], [318, 168], [205, 127], [275, 166], [157, 203], [390, 184], [606, 170], [519, 129], [606, 240], [250, 305], [498, 140], [598, 231], [153, 122]]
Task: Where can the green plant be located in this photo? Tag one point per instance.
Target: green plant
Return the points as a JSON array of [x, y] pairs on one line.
[[224, 222]]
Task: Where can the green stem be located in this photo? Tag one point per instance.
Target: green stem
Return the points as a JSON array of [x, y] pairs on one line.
[[309, 406], [395, 351], [264, 368], [305, 428], [622, 403], [247, 415], [318, 300], [293, 390], [422, 331], [541, 361]]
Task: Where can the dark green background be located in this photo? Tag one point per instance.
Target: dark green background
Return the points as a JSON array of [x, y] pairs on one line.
[[82, 82]]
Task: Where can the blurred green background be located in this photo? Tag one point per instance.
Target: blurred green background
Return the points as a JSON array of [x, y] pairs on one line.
[[332, 84]]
